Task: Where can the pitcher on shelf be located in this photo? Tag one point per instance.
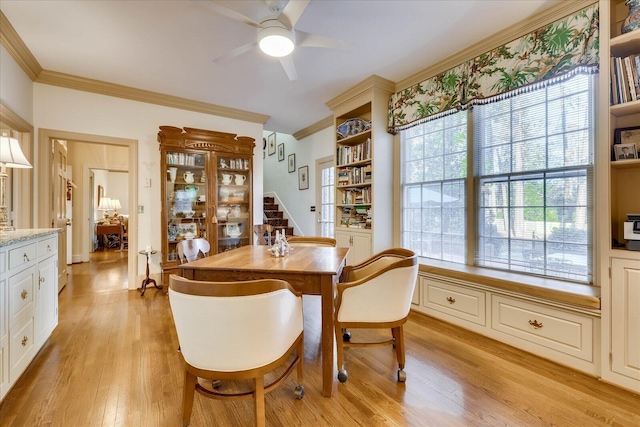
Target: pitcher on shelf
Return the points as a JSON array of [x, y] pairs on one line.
[[172, 174], [188, 177], [240, 179]]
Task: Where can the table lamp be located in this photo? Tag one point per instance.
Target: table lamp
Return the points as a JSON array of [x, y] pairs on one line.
[[105, 205], [115, 205], [10, 157]]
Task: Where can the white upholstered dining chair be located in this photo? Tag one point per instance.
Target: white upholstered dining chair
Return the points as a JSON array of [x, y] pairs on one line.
[[237, 331], [376, 294], [298, 241], [190, 249]]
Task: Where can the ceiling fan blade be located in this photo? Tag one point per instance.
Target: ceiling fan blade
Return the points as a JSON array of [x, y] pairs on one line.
[[292, 12], [289, 67], [235, 52], [230, 13], [316, 40]]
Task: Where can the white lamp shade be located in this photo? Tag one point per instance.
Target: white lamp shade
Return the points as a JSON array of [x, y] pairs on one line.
[[115, 204], [105, 204], [11, 154], [275, 40]]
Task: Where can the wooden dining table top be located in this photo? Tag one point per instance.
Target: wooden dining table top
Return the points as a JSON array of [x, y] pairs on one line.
[[255, 258]]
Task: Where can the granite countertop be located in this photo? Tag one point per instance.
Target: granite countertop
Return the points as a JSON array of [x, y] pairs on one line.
[[22, 235]]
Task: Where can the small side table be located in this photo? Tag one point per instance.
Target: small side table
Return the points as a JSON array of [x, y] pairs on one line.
[[148, 280]]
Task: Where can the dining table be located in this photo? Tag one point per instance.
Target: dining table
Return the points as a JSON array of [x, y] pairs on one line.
[[310, 270]]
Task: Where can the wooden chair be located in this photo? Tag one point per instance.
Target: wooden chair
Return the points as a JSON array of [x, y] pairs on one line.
[[297, 241], [376, 294], [263, 232], [190, 249], [263, 327], [124, 235]]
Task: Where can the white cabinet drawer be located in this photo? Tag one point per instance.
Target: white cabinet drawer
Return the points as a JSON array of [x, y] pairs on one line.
[[556, 329], [21, 294], [47, 247], [464, 303], [21, 347], [21, 256]]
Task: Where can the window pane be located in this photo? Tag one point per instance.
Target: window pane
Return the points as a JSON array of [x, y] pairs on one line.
[[433, 201], [535, 161]]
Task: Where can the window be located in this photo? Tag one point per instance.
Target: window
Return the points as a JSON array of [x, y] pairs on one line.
[[533, 180], [434, 159]]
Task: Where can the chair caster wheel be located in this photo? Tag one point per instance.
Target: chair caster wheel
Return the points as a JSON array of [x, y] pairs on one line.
[[402, 376], [216, 383], [299, 392], [342, 376], [346, 337]]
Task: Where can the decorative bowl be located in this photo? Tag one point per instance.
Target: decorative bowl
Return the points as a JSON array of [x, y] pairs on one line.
[[352, 127]]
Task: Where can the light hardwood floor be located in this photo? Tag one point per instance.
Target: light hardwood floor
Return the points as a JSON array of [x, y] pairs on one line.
[[112, 361]]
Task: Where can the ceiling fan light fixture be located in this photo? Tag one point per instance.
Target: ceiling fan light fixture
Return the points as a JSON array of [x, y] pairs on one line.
[[276, 41]]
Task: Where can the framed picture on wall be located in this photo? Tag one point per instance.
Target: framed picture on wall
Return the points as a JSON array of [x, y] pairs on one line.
[[271, 144], [292, 162], [303, 178], [100, 194], [280, 152]]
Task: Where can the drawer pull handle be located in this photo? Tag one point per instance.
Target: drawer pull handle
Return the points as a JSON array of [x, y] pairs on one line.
[[25, 339], [24, 294], [25, 257], [451, 300], [42, 279], [48, 248], [535, 324]]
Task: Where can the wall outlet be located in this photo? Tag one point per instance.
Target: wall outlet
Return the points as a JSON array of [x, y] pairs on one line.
[[147, 182], [140, 209]]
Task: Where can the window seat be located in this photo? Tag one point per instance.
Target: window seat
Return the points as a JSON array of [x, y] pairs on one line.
[[585, 296]]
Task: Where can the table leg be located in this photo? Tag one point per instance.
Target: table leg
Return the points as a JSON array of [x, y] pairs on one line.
[[326, 291]]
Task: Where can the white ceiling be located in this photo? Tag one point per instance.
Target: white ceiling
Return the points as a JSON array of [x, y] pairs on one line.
[[168, 46]]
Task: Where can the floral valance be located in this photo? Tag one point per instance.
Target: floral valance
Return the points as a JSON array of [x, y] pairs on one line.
[[547, 55]]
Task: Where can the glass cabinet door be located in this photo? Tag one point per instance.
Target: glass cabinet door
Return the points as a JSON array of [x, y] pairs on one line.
[[186, 198], [233, 192]]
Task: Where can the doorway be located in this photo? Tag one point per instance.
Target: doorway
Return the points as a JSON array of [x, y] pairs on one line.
[[82, 196], [325, 194]]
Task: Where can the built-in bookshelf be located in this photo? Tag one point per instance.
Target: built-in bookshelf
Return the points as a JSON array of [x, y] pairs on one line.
[[364, 156]]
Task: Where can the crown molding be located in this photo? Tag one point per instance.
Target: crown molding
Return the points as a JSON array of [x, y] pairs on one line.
[[126, 92], [12, 42], [371, 82], [9, 118], [314, 128], [553, 13]]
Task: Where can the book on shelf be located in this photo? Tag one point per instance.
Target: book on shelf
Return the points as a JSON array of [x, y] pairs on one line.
[[346, 154], [624, 79]]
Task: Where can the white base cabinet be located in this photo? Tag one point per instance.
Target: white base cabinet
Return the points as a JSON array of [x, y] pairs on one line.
[[566, 335], [625, 333], [359, 244], [28, 299]]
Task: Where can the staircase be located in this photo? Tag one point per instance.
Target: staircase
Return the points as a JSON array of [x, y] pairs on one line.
[[273, 216]]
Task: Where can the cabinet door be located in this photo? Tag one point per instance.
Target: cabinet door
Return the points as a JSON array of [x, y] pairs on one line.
[[233, 202], [4, 339], [359, 245], [625, 317], [46, 300], [185, 199]]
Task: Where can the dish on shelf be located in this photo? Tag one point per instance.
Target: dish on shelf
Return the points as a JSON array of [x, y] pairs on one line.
[[352, 127]]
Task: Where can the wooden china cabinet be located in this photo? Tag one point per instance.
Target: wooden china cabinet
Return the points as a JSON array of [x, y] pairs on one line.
[[206, 190]]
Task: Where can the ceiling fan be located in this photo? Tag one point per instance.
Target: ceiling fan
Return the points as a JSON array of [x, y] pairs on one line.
[[277, 35]]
